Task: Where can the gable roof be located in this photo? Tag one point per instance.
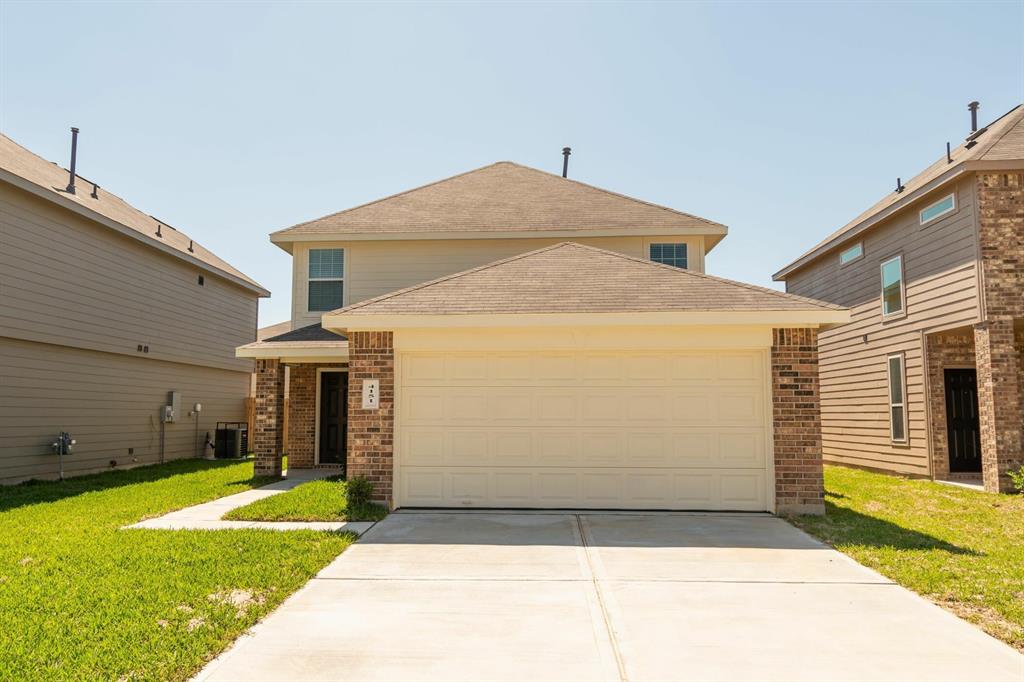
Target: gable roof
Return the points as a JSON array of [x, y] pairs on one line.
[[503, 197], [994, 145], [574, 278], [22, 168]]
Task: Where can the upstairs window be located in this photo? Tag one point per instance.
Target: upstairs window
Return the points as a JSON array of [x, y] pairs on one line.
[[669, 254], [897, 399], [851, 254], [892, 287], [938, 209], [326, 279]]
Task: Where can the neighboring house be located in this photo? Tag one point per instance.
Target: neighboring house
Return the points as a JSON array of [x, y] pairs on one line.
[[106, 315], [479, 359], [928, 378]]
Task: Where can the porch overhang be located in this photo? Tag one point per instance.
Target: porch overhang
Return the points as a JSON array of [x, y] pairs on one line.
[[295, 352]]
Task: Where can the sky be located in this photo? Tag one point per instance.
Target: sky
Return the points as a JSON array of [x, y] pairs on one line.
[[232, 120]]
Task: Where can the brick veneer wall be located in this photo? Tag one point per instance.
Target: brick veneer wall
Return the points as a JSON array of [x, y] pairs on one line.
[[796, 411], [1000, 391], [944, 350], [371, 355], [269, 408], [302, 394]]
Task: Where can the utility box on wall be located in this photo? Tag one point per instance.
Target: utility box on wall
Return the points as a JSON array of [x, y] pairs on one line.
[[173, 406]]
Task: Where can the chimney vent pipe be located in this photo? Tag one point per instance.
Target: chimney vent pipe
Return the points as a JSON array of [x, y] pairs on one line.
[[70, 189], [973, 108], [566, 151]]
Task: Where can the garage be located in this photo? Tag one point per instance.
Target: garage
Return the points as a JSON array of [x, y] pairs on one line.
[[576, 378], [583, 429]]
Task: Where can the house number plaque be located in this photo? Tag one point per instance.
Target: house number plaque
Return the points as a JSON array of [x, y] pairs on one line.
[[371, 394]]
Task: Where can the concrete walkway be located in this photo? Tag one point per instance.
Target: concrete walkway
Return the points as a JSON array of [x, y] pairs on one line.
[[614, 596], [207, 516]]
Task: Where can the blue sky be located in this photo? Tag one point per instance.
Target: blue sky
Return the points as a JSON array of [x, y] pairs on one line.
[[232, 120]]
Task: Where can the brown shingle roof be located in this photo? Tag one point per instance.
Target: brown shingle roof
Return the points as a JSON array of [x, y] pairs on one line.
[[1002, 140], [573, 278], [53, 179], [502, 197]]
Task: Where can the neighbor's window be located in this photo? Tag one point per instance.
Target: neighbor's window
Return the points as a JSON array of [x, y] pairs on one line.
[[897, 399], [892, 286], [939, 208], [669, 254], [326, 279], [851, 254]]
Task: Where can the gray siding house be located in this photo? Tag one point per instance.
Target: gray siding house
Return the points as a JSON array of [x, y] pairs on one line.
[[105, 312], [927, 379]]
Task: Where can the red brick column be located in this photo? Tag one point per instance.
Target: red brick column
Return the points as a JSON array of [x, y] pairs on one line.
[[371, 432], [999, 403], [269, 401], [1000, 393], [301, 416], [796, 411]]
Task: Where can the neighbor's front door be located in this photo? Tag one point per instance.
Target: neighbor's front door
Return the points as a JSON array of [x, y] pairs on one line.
[[962, 420], [333, 417]]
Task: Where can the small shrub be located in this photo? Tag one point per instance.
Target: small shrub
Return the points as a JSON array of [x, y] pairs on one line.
[[1017, 478], [358, 492]]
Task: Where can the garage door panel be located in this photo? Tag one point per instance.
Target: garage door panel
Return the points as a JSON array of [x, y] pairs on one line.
[[645, 430], [742, 490]]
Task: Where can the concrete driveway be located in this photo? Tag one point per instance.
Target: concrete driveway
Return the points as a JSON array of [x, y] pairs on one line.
[[606, 596]]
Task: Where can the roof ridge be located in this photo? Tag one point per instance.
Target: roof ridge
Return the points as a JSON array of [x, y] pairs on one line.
[[389, 196], [961, 155], [615, 194], [492, 165], [1009, 128], [445, 278]]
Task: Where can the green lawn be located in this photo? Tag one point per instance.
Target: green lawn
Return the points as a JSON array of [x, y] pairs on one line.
[[322, 500], [82, 599], [961, 548]]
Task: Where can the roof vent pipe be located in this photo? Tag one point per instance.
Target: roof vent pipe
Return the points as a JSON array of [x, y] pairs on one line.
[[973, 108], [74, 157], [566, 151]]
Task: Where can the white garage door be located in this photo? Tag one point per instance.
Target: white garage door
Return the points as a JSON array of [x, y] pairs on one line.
[[623, 430]]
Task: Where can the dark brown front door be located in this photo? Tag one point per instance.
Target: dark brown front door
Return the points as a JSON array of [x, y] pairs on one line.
[[333, 417], [962, 420]]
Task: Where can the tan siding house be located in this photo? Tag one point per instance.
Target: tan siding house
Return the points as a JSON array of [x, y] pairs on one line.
[[510, 338], [100, 319], [949, 247]]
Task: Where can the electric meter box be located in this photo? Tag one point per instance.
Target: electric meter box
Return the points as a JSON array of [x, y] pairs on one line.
[[173, 405]]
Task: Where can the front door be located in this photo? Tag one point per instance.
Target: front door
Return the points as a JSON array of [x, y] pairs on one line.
[[962, 420], [333, 417]]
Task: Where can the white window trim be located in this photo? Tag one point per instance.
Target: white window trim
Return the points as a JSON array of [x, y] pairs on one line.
[[951, 209], [344, 270], [903, 396], [662, 241], [903, 288], [843, 263]]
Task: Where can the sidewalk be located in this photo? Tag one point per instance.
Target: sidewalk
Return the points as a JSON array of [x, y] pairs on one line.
[[207, 516]]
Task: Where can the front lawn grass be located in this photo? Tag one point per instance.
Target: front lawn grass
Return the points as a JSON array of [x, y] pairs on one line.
[[80, 598], [321, 500], [961, 548]]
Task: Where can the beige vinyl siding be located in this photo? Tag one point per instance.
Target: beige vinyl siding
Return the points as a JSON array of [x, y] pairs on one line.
[[69, 281], [941, 281], [373, 268], [107, 402]]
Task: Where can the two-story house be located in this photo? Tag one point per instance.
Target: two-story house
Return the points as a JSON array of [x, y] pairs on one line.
[[108, 317], [928, 379], [512, 338]]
